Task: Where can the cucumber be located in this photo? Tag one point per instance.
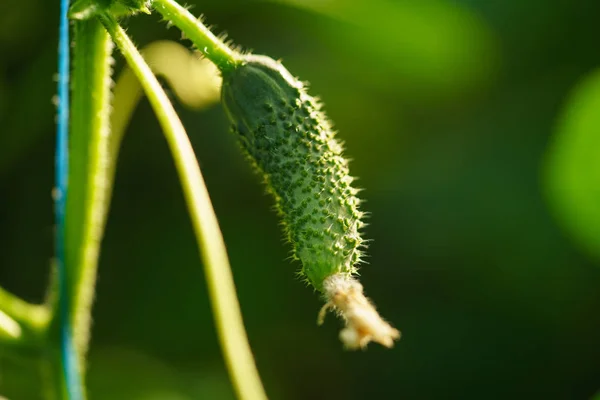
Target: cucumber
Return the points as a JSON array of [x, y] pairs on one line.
[[290, 141], [287, 137]]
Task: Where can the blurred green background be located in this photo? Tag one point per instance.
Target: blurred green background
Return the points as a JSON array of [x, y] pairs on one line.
[[447, 109]]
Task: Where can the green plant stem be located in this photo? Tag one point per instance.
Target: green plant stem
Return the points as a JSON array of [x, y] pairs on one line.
[[226, 309], [194, 81], [205, 41], [87, 205]]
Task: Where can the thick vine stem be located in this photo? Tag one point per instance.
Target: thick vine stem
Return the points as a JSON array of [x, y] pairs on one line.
[[205, 41], [86, 205], [226, 309], [345, 295]]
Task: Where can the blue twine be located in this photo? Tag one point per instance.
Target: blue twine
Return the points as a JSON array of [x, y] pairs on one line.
[[68, 352]]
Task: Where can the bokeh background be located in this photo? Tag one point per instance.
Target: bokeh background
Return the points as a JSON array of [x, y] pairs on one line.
[[449, 110]]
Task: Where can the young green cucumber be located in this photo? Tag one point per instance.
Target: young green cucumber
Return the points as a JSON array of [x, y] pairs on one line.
[[291, 143]]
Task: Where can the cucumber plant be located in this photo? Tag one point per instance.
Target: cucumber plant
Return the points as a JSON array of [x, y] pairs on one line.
[[282, 130]]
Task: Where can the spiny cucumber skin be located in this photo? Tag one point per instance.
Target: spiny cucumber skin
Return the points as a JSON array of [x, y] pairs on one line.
[[291, 143]]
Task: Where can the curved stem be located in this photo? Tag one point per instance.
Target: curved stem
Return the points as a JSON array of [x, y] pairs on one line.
[[226, 309], [205, 41], [194, 81]]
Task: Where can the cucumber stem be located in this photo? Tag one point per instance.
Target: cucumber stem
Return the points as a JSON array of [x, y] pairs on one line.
[[226, 308], [205, 41]]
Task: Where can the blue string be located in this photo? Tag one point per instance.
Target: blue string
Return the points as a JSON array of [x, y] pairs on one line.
[[68, 352]]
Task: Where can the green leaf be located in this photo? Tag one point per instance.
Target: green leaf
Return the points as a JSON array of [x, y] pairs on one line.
[[572, 166]]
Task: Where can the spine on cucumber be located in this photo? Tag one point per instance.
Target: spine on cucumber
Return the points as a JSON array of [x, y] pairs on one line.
[[291, 143]]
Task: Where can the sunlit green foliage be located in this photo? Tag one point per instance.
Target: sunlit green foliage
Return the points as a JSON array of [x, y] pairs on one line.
[[573, 165], [469, 252]]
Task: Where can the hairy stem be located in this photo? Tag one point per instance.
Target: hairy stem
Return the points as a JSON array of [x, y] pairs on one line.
[[86, 206], [205, 41], [226, 309]]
